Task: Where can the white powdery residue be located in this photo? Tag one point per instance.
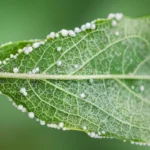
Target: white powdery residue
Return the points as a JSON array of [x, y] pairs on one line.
[[15, 70], [64, 32], [31, 115]]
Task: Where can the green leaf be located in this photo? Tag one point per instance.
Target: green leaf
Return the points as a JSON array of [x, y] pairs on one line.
[[96, 81]]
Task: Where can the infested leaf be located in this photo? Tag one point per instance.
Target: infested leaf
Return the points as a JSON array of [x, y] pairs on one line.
[[96, 81]]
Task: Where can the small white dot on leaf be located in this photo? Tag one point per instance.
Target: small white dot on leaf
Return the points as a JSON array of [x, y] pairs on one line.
[[31, 115]]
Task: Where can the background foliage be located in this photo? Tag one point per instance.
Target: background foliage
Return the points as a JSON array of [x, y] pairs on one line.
[[24, 19]]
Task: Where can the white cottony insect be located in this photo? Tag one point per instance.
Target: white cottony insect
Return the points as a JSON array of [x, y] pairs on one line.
[[4, 62], [59, 49], [61, 125], [42, 122], [114, 23], [22, 90], [142, 88], [88, 25], [111, 15], [84, 127], [76, 66], [77, 30], [93, 26], [83, 27], [31, 115], [64, 32], [117, 33], [82, 95], [59, 63], [71, 33], [52, 35], [15, 70], [119, 16]]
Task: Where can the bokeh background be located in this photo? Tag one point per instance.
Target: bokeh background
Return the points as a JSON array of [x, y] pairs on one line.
[[32, 19]]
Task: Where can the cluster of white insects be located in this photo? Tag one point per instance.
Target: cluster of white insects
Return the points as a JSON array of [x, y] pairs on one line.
[[72, 33]]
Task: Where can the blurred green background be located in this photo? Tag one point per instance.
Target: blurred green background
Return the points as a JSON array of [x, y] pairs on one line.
[[32, 19]]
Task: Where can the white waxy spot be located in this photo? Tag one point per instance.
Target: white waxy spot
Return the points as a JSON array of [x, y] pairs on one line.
[[142, 88], [4, 62], [15, 70], [64, 32], [76, 66], [37, 69], [61, 125], [91, 81], [119, 16], [59, 63], [77, 30], [59, 49], [84, 127], [117, 33], [11, 56], [31, 115], [111, 15], [37, 119], [25, 94], [20, 107], [103, 132], [93, 26], [83, 27], [20, 50], [132, 87], [92, 134], [82, 95], [52, 35], [23, 110], [64, 128], [71, 33], [42, 122], [57, 35], [36, 45], [113, 23], [22, 90], [88, 25]]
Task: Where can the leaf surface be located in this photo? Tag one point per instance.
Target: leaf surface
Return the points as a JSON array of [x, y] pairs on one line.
[[97, 82]]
